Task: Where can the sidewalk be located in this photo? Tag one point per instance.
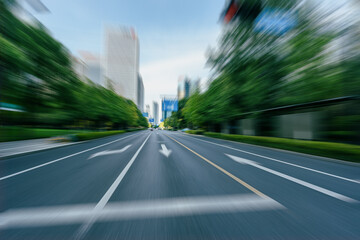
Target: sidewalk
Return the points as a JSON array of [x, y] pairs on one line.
[[14, 148]]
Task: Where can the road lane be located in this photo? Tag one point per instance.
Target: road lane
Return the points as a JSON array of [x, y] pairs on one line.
[[348, 188], [174, 196], [311, 208], [183, 176], [72, 181], [336, 168], [15, 165]]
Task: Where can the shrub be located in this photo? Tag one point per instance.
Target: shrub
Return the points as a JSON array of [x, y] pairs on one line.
[[93, 135]]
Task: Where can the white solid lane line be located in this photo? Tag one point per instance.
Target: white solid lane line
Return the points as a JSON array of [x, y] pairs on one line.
[[107, 152], [276, 160], [295, 180], [103, 201], [60, 159], [144, 209]]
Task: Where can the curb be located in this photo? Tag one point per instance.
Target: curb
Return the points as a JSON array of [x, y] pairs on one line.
[[36, 151], [288, 151]]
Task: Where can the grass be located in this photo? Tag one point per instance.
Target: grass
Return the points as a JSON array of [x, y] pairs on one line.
[[341, 151]]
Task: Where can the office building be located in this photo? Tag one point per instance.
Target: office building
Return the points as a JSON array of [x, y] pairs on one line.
[[156, 113], [187, 87], [121, 61], [147, 110], [140, 94]]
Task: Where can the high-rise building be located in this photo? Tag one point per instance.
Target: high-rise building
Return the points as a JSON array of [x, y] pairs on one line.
[[140, 96], [121, 61], [156, 113], [187, 87], [147, 110]]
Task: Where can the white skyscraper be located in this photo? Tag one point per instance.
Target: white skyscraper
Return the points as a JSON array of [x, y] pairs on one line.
[[121, 61]]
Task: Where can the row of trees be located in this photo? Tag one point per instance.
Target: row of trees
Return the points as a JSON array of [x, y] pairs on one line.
[[36, 73], [256, 70]]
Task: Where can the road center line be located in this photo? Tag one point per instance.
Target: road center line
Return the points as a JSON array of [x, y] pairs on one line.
[[60, 159], [103, 201], [223, 170], [276, 160]]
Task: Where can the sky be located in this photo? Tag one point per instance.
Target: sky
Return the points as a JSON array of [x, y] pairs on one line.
[[174, 35]]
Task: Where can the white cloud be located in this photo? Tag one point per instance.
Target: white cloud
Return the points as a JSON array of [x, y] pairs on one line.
[[161, 77]]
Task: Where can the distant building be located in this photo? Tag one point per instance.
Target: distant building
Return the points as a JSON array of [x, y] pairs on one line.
[[147, 110], [156, 113], [79, 67], [187, 87], [140, 96], [121, 61], [93, 70]]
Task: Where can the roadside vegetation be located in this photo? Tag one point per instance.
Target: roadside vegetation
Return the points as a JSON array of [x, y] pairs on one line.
[[37, 77]]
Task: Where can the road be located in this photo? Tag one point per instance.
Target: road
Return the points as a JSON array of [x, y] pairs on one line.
[[171, 185]]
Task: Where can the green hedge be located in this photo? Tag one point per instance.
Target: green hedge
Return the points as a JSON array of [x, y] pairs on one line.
[[93, 135], [19, 133], [198, 132], [134, 129], [341, 151]]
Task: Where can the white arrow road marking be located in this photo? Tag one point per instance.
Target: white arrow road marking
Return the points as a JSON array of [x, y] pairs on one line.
[[107, 152], [143, 209], [166, 152], [295, 180], [275, 160]]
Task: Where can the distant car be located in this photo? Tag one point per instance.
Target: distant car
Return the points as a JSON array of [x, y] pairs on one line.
[[185, 129], [151, 129]]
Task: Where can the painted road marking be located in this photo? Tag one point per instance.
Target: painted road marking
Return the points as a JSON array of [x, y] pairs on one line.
[[60, 159], [295, 180], [117, 211], [224, 171], [166, 152], [107, 152], [277, 160], [103, 201]]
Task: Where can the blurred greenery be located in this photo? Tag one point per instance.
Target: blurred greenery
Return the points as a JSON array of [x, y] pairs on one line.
[[36, 73], [255, 70], [198, 132], [93, 135]]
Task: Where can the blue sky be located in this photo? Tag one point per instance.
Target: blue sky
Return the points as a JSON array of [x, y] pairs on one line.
[[174, 35]]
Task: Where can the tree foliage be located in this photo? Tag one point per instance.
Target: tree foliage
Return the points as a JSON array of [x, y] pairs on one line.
[[36, 73], [259, 70]]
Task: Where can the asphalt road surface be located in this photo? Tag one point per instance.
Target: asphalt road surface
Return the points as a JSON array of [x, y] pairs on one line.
[[170, 185]]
